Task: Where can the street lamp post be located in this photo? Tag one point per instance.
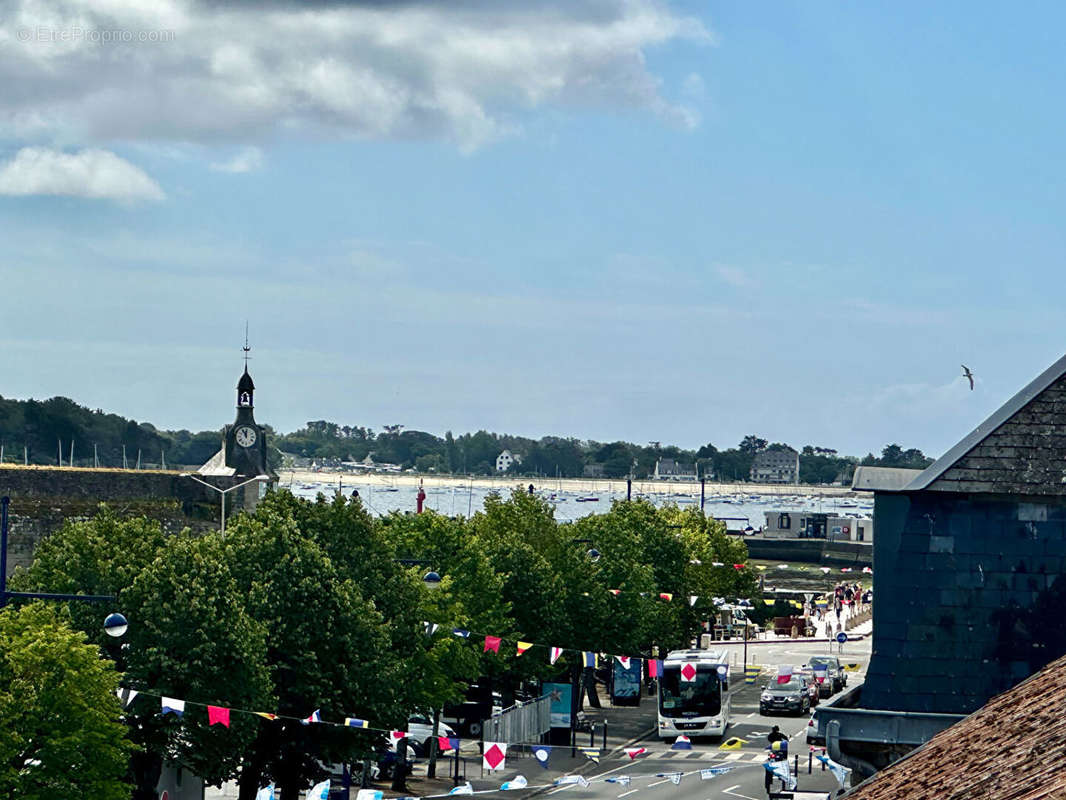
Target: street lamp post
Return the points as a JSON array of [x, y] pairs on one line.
[[224, 492]]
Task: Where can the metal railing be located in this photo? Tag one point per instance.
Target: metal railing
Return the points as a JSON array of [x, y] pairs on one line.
[[525, 722]]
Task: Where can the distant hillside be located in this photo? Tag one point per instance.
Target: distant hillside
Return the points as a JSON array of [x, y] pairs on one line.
[[39, 429]]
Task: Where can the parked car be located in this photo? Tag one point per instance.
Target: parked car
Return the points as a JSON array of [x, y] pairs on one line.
[[835, 676], [791, 696], [420, 731], [813, 688]]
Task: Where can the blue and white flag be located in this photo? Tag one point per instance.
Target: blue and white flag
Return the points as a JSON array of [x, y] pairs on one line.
[[682, 743], [542, 753], [320, 791], [172, 706], [620, 779], [462, 634], [466, 788], [714, 772], [369, 794], [517, 782], [673, 777], [840, 772], [568, 780], [266, 793], [781, 769]]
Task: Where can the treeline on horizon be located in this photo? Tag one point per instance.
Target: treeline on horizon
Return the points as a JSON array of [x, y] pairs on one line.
[[39, 429]]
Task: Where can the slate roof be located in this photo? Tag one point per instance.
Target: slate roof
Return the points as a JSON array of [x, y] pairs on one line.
[[1020, 449], [216, 467], [1013, 748], [882, 479]]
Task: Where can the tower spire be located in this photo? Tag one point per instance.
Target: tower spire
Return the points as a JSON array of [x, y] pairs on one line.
[[246, 348]]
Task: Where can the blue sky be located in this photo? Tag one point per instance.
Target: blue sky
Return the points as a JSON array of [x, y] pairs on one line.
[[609, 219]]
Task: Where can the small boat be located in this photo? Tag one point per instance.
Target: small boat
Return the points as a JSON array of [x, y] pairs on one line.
[[588, 500]]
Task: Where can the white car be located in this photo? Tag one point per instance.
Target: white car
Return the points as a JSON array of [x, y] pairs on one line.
[[420, 731]]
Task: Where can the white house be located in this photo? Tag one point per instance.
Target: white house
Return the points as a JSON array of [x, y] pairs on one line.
[[505, 459]]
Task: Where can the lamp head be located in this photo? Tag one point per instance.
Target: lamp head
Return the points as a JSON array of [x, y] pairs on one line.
[[432, 580], [115, 625]]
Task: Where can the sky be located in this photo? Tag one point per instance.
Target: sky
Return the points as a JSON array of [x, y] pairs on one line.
[[608, 219]]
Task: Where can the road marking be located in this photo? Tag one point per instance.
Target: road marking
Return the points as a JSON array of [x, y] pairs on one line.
[[737, 794], [734, 757], [752, 714], [623, 794]]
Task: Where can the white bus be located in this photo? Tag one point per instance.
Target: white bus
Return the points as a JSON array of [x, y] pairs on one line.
[[694, 696]]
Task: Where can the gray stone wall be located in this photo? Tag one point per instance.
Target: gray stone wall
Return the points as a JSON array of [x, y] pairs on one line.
[[43, 498], [961, 584]]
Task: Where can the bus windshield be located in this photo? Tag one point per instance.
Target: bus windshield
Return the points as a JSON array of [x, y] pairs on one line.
[[699, 698]]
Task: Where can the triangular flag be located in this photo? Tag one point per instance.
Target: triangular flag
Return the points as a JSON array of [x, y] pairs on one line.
[[555, 653], [784, 673], [620, 779], [615, 592], [655, 668], [782, 566], [760, 566], [633, 752], [466, 788], [624, 661], [567, 780], [692, 598], [717, 563], [126, 696], [315, 716], [665, 596], [675, 778], [522, 647], [172, 706], [542, 753], [369, 794], [868, 570], [682, 743], [447, 743], [825, 570], [461, 633], [354, 722], [588, 659], [713, 772], [738, 566], [266, 793], [265, 715], [840, 772], [591, 753], [216, 715], [492, 643], [431, 628], [782, 770], [395, 736], [320, 791], [517, 782], [495, 755]]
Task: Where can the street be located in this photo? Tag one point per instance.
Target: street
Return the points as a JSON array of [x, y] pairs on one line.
[[746, 780]]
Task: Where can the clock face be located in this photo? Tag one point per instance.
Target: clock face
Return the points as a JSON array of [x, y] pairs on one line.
[[245, 436]]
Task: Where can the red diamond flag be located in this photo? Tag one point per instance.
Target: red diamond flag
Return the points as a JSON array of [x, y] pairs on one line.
[[492, 643], [217, 716], [688, 673], [495, 753]]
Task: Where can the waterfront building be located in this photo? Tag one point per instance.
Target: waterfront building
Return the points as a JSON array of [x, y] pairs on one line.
[[775, 466]]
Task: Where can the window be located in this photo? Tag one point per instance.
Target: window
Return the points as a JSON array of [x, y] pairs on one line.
[[784, 521]]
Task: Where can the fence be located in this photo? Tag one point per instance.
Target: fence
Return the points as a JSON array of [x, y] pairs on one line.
[[520, 723]]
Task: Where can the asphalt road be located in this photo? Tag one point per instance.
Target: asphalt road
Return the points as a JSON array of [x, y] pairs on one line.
[[650, 774]]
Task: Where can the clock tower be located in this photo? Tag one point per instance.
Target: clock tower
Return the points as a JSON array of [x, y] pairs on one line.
[[244, 442]]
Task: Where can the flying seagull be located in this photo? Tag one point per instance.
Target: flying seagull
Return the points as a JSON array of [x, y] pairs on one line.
[[968, 375]]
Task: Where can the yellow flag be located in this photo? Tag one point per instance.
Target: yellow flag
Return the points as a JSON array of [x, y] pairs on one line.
[[732, 743], [523, 646]]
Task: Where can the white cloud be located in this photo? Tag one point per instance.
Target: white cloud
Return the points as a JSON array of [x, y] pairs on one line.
[[89, 173], [210, 71], [249, 159]]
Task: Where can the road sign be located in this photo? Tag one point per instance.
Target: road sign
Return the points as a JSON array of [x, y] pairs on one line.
[[842, 637]]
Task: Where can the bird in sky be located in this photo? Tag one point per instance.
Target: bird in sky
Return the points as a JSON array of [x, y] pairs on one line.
[[968, 375]]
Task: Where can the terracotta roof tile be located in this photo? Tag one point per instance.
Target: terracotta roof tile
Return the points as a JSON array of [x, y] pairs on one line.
[[1013, 748]]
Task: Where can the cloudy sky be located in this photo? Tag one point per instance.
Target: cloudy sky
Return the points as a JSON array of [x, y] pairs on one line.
[[636, 219]]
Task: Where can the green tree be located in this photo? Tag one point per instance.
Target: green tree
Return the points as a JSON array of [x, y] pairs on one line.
[[61, 735]]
